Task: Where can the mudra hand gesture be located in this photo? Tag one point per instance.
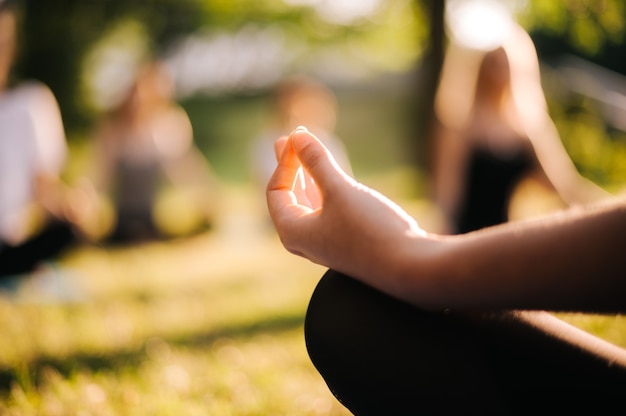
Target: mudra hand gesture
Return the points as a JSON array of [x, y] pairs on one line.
[[326, 216]]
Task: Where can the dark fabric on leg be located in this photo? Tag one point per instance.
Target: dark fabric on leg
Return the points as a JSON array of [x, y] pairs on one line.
[[47, 244], [380, 356], [384, 357], [548, 370]]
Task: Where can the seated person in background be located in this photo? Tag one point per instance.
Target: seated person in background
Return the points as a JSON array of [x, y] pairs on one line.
[[38, 216], [143, 146], [482, 153], [297, 101]]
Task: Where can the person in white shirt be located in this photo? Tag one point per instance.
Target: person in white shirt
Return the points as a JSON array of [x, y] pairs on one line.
[[34, 210]]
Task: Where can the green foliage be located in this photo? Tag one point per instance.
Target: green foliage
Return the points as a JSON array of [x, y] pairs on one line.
[[56, 35], [589, 25], [598, 152], [59, 35], [59, 39]]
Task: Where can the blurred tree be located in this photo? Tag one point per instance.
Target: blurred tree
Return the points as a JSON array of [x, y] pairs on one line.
[[59, 34], [595, 30], [394, 35], [56, 34], [428, 73]]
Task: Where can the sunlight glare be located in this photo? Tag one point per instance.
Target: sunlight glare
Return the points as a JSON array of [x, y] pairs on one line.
[[109, 68], [478, 24], [340, 11]]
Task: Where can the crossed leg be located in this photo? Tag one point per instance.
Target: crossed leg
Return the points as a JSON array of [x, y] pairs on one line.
[[380, 356]]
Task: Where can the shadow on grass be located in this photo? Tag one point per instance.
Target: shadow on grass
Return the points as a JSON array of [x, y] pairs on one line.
[[31, 373]]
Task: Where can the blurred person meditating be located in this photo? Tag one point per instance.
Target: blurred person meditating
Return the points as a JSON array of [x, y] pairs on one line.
[[485, 149], [144, 145], [38, 214], [298, 101]]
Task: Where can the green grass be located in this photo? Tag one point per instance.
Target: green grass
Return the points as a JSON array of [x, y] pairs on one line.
[[211, 325], [208, 325]]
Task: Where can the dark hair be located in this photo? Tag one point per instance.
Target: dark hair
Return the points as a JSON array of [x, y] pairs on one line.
[[14, 9], [11, 5]]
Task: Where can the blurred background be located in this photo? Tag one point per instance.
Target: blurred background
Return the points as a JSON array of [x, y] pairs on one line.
[[207, 319], [226, 57]]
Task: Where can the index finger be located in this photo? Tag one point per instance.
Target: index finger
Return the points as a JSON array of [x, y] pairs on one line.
[[288, 164], [279, 146], [279, 192]]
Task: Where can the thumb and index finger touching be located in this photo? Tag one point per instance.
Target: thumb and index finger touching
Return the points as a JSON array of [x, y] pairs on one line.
[[301, 148], [290, 202]]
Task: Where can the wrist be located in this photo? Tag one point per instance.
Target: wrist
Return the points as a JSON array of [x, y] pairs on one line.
[[420, 270]]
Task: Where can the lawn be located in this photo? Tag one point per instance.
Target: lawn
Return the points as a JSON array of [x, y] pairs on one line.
[[211, 325]]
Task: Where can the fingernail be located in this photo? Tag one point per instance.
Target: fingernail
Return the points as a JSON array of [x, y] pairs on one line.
[[300, 128]]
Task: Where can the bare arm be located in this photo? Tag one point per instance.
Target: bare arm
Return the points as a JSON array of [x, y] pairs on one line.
[[530, 100], [559, 168], [571, 261], [450, 159]]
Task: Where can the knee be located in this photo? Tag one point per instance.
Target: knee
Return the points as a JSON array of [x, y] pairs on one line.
[[327, 322], [347, 321], [375, 352]]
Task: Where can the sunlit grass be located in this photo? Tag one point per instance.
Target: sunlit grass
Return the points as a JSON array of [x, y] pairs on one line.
[[210, 325], [206, 325]]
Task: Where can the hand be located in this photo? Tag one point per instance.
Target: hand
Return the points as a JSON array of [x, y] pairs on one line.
[[324, 215]]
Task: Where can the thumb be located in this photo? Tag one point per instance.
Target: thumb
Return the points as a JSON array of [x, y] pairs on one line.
[[315, 157]]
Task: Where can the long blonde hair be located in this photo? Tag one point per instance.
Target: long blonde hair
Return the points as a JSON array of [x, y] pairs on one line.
[[463, 71]]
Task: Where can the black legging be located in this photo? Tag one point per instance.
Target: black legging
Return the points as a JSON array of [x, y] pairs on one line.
[[380, 356], [48, 243]]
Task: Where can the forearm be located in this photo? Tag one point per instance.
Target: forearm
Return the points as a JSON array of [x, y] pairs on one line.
[[560, 170], [570, 261]]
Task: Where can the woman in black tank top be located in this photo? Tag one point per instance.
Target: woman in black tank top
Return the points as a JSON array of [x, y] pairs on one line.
[[506, 136], [489, 182]]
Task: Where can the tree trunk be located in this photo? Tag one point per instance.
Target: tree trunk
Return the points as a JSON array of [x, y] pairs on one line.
[[426, 83]]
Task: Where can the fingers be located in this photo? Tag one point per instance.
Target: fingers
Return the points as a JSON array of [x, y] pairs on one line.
[[315, 158], [279, 146], [299, 183], [292, 186], [286, 190], [312, 191], [285, 173], [304, 186]]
